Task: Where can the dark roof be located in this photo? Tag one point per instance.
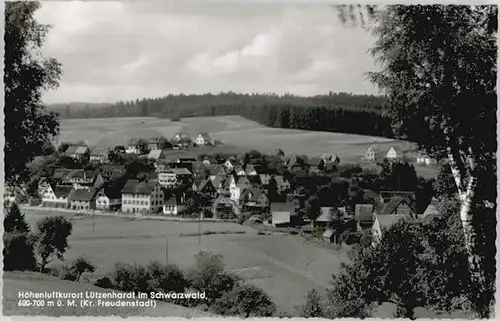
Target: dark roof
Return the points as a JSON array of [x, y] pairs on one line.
[[62, 191], [251, 194], [76, 149], [204, 183], [111, 192], [171, 201], [205, 136], [217, 180], [61, 173], [243, 181], [254, 180], [283, 207], [80, 173], [83, 194], [135, 187], [394, 203]]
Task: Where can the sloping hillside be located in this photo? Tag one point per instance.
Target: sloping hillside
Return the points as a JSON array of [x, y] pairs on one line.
[[14, 282]]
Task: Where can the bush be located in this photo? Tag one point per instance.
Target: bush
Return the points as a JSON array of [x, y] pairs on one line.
[[104, 282], [130, 278], [166, 278], [245, 300], [74, 271], [18, 252]]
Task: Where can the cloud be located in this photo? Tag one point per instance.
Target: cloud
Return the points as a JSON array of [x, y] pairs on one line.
[[126, 50]]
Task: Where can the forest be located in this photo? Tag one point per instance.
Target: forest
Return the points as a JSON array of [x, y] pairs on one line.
[[333, 112]]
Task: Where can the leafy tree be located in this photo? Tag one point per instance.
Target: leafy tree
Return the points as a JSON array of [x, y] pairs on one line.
[[166, 278], [51, 238], [18, 252], [209, 276], [245, 300], [142, 145], [313, 209], [446, 67], [444, 185], [313, 307], [28, 125], [15, 221], [74, 271]]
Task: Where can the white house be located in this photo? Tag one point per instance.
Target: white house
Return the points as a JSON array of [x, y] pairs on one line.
[[142, 197], [109, 199], [203, 139], [57, 196], [372, 153], [394, 153], [172, 206], [229, 165]]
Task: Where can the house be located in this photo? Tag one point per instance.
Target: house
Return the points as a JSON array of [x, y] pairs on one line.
[[382, 223], [291, 161], [83, 199], [57, 196], [282, 184], [78, 152], [206, 188], [399, 205], [372, 153], [167, 178], [107, 170], [254, 199], [142, 197], [43, 183], [109, 198], [173, 206], [98, 181], [185, 160], [181, 140], [433, 208], [264, 179], [394, 153], [250, 170], [202, 139], [239, 171], [80, 177], [229, 165], [423, 158], [282, 213], [237, 187], [364, 215], [133, 147], [98, 155]]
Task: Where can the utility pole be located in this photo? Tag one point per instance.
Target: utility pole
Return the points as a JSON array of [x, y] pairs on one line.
[[93, 219], [166, 250], [199, 228]]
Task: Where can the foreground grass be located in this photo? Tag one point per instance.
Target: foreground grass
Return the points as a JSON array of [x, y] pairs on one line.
[[14, 282]]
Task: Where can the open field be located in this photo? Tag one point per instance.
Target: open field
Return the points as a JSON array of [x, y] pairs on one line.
[[235, 132], [14, 282], [282, 265]]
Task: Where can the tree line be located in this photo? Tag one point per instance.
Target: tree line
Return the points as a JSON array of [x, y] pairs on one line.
[[334, 112]]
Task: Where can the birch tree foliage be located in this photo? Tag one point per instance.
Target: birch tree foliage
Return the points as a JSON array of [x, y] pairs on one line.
[[438, 70]]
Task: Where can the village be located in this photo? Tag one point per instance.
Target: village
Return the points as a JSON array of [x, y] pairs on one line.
[[274, 191]]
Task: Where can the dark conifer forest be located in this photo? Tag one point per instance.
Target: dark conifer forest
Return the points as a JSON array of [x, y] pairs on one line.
[[334, 112]]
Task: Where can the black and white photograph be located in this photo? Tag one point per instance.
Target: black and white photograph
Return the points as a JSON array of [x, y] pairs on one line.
[[249, 159]]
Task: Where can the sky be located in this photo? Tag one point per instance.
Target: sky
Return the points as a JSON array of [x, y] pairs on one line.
[[113, 51]]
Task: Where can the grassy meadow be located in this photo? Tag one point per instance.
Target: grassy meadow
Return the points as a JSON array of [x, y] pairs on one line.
[[237, 133], [284, 266]]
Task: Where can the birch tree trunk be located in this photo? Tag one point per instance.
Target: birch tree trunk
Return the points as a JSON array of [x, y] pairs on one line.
[[466, 197]]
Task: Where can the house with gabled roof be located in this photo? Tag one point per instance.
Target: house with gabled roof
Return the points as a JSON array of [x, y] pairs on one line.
[[372, 153], [57, 196], [330, 158], [206, 187], [394, 153], [254, 199], [181, 140], [364, 214], [108, 170], [282, 184], [399, 205], [109, 198], [157, 155], [154, 143], [315, 164], [78, 152], [229, 164], [133, 147], [237, 186], [239, 171], [264, 179], [142, 197], [83, 199], [250, 170], [98, 155], [203, 139], [174, 205]]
